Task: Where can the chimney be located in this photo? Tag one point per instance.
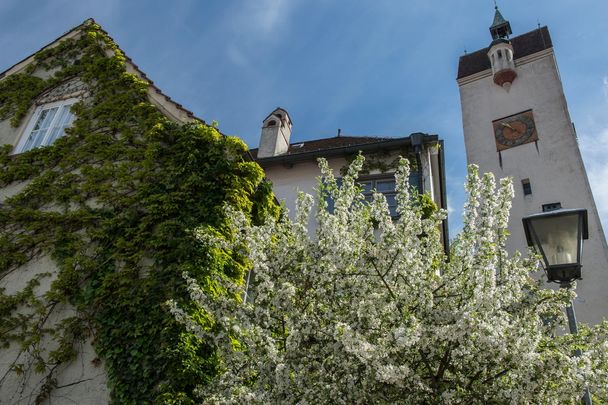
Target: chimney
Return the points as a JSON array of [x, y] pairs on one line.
[[276, 131]]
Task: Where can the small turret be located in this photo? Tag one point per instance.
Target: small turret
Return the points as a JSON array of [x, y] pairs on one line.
[[276, 132], [501, 52]]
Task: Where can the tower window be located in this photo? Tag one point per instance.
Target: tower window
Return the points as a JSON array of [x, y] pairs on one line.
[[552, 206], [499, 54], [272, 123], [525, 183]]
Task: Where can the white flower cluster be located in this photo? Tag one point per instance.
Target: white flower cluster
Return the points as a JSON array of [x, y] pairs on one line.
[[371, 310]]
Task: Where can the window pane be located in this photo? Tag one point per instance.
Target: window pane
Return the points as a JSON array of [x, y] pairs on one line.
[[50, 124], [393, 211], [329, 200], [383, 186], [415, 182], [40, 130], [391, 199], [45, 119], [41, 118], [67, 116], [34, 139], [63, 121], [366, 186], [54, 133]]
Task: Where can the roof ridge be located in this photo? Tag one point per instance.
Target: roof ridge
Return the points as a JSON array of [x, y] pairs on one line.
[[88, 22], [348, 136], [77, 27]]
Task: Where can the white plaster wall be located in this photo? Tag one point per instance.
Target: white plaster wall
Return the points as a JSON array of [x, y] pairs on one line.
[[288, 181], [555, 170], [302, 176], [274, 140], [9, 134], [82, 381]]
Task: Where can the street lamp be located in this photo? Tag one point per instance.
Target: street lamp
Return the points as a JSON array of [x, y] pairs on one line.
[[558, 236]]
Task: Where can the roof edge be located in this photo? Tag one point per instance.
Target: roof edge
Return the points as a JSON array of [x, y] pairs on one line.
[[90, 21], [344, 150], [85, 23]]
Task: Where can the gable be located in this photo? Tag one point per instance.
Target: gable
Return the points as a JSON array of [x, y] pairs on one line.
[[163, 102]]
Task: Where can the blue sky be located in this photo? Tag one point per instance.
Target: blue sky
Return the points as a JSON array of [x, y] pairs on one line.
[[381, 67]]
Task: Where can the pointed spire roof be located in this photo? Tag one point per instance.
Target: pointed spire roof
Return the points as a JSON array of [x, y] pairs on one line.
[[500, 27], [498, 18]]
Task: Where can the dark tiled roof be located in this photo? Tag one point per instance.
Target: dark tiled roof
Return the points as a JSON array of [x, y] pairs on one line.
[[523, 45], [337, 142], [343, 146]]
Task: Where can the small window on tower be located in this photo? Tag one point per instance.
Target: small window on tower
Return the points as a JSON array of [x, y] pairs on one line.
[[272, 123], [499, 54], [526, 186], [552, 206]]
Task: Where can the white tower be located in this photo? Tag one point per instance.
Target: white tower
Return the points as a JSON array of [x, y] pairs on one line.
[[516, 123]]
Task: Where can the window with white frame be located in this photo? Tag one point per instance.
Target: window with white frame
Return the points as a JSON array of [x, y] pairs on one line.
[[48, 123]]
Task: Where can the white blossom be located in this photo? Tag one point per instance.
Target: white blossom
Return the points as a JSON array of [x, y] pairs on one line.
[[370, 309]]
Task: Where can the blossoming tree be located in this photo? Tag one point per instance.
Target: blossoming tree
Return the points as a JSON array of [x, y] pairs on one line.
[[371, 310]]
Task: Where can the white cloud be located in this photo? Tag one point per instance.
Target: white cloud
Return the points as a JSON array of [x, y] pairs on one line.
[[255, 25], [236, 56], [267, 15], [261, 19], [605, 87], [456, 200], [594, 148]]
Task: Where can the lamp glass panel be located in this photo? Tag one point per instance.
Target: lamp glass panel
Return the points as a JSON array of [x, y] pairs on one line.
[[558, 237]]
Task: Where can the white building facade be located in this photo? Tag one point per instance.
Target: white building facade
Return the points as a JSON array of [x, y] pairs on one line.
[[293, 167], [516, 123]]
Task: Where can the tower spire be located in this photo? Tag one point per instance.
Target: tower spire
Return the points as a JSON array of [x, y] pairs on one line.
[[500, 27], [501, 51]]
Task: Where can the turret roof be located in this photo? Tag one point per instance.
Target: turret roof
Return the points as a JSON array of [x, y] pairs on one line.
[[498, 19], [523, 45]]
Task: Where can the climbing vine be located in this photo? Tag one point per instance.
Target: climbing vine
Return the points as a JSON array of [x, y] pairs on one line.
[[114, 203], [379, 162]]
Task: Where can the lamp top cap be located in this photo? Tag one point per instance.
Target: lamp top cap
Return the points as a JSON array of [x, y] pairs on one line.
[[557, 213]]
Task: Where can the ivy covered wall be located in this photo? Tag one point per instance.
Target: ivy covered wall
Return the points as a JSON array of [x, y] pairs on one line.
[[113, 204]]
